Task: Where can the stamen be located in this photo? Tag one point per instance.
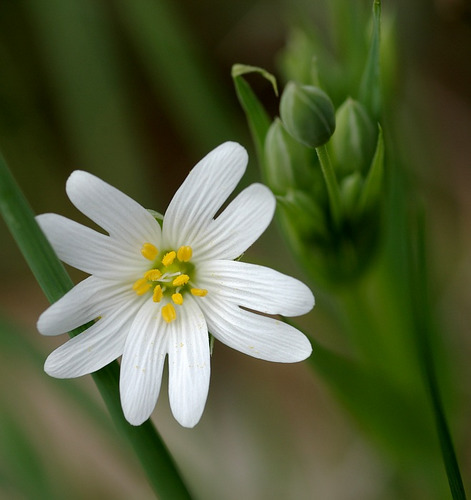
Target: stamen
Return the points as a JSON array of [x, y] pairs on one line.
[[181, 280], [158, 294], [141, 286], [184, 254], [177, 298], [152, 275], [168, 313], [199, 292], [149, 251], [168, 259]]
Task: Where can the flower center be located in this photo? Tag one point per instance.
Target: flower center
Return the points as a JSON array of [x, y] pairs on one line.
[[170, 276]]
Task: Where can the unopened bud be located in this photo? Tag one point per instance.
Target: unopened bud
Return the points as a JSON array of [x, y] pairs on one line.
[[307, 114], [288, 163], [353, 144], [278, 162]]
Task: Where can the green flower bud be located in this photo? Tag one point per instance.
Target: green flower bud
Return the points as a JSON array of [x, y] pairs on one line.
[[307, 114], [353, 144], [287, 162], [278, 167]]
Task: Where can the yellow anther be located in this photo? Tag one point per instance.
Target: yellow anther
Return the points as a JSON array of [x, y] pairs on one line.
[[168, 313], [177, 299], [141, 286], [168, 259], [149, 251], [153, 275], [181, 280], [184, 254], [158, 294], [199, 292]]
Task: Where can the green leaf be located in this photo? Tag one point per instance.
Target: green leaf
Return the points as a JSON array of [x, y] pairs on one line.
[[370, 87], [257, 117], [332, 185], [374, 181], [244, 69], [47, 269], [53, 279]]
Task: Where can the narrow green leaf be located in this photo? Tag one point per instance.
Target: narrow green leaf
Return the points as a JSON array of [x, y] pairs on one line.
[[53, 279], [332, 185], [244, 69], [47, 269], [424, 329], [257, 117], [370, 87], [374, 181]]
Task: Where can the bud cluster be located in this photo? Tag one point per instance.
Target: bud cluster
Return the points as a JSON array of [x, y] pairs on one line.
[[319, 162], [323, 155]]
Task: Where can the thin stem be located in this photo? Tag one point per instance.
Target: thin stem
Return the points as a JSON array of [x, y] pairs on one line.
[[155, 459], [331, 183], [424, 330]]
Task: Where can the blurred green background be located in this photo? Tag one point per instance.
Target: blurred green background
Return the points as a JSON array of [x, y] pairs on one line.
[[137, 92]]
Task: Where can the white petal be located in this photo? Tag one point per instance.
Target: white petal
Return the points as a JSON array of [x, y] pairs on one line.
[[202, 193], [117, 213], [90, 251], [258, 336], [94, 348], [142, 364], [189, 363], [89, 299], [239, 225], [256, 287]]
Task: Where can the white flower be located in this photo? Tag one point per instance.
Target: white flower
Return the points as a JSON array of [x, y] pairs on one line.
[[157, 291]]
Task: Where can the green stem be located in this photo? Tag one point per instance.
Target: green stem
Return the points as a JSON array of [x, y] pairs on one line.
[[161, 471], [331, 183], [424, 330]]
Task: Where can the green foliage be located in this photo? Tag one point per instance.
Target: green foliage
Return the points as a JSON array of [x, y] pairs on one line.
[[258, 118]]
